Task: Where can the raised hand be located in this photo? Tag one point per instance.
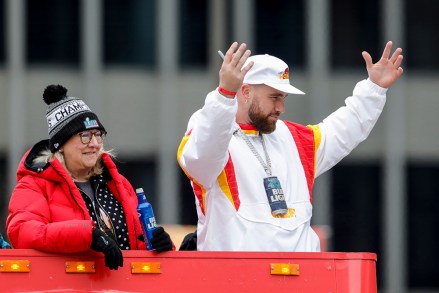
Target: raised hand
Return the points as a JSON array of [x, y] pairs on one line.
[[387, 70], [231, 73]]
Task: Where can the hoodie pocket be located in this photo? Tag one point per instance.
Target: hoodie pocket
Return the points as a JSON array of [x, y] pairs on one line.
[[298, 214]]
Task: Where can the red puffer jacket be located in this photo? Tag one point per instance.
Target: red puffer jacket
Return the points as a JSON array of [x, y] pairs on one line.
[[48, 213]]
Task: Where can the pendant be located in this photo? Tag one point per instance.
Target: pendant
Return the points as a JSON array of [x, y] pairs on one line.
[[275, 195]]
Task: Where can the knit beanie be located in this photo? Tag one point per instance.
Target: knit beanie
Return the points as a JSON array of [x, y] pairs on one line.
[[66, 116]]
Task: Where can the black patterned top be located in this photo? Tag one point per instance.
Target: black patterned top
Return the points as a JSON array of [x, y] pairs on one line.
[[105, 210]]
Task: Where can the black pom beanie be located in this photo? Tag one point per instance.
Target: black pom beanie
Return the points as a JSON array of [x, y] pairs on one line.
[[66, 116]]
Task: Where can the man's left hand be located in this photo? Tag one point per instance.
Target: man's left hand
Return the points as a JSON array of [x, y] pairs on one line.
[[387, 70]]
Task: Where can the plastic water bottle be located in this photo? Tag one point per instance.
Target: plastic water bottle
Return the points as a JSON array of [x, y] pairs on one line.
[[146, 216]]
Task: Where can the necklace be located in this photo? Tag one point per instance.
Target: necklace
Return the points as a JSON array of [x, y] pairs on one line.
[[273, 188], [266, 166]]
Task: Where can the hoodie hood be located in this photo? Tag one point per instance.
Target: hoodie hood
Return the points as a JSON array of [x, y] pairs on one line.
[[53, 170], [33, 153]]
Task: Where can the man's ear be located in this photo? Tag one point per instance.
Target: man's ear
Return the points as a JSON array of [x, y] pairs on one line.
[[245, 91]]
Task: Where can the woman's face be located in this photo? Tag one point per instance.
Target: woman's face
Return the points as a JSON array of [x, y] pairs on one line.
[[82, 150]]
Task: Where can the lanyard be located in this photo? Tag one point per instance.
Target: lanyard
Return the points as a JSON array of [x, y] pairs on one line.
[[267, 167]]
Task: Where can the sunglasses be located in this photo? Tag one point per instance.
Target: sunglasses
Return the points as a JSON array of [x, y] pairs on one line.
[[86, 136]]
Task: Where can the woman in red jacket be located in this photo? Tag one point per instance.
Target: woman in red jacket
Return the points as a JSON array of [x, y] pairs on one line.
[[69, 195]]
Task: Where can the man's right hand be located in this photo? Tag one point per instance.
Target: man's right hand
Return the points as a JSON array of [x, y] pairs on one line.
[[231, 73]]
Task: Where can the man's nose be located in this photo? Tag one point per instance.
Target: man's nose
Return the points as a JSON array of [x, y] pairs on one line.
[[280, 106]]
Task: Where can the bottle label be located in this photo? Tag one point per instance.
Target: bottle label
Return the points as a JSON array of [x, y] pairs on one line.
[[152, 224]]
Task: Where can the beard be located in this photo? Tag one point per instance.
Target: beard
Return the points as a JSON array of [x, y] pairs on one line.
[[260, 120]]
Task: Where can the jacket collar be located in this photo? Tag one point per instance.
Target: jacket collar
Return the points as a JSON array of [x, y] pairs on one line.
[[249, 129]]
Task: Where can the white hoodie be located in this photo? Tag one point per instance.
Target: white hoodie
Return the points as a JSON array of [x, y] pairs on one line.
[[232, 206]]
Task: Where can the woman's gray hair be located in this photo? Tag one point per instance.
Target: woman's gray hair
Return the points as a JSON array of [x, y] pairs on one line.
[[46, 156]]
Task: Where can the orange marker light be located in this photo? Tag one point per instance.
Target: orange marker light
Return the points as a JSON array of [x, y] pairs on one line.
[[80, 267], [14, 266], [285, 269], [145, 268]]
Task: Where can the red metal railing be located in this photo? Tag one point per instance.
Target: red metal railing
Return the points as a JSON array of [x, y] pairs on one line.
[[183, 271]]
